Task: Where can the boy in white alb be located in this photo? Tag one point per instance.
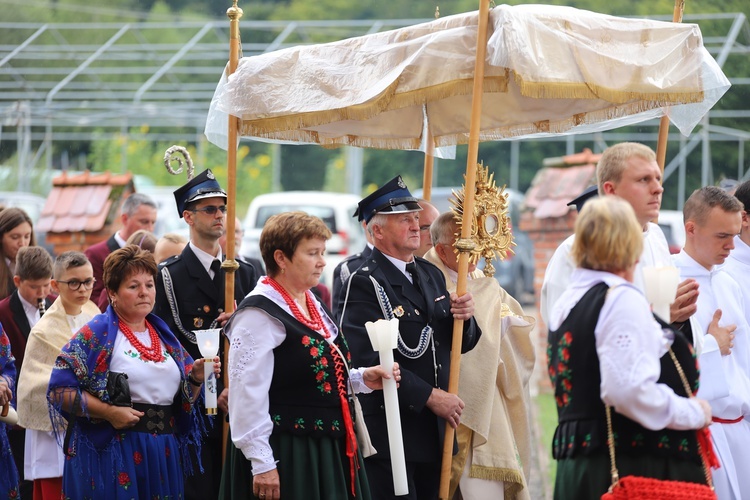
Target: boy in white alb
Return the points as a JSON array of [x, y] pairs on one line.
[[44, 460], [738, 262], [628, 170], [712, 220]]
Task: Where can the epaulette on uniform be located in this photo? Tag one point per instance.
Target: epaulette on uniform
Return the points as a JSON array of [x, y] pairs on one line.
[[171, 260], [352, 257]]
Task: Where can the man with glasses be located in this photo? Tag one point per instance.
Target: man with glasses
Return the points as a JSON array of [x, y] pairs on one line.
[[138, 212], [44, 459], [190, 296]]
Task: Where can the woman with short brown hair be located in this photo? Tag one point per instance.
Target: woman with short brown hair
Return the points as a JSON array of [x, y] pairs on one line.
[[291, 423], [127, 387]]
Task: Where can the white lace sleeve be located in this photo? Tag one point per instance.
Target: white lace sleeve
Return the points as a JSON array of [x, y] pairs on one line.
[[629, 343], [253, 336]]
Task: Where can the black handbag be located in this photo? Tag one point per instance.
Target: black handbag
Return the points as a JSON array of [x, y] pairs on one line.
[[118, 389], [119, 395]]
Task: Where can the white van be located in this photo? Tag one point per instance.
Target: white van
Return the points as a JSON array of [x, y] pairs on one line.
[[335, 209]]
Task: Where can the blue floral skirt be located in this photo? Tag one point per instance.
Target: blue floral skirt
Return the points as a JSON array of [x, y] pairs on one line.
[[8, 471], [136, 465]]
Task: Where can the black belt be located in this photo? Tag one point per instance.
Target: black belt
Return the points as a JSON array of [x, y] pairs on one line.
[[156, 419]]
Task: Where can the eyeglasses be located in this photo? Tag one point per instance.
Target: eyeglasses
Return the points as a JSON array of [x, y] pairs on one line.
[[211, 209], [75, 284]]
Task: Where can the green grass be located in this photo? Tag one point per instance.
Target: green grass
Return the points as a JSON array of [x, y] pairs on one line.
[[547, 420]]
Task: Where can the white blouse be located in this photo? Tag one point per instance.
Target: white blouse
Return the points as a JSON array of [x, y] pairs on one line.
[[150, 383], [253, 336], [629, 343]]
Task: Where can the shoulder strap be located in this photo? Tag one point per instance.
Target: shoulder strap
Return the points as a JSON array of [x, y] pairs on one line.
[[172, 301]]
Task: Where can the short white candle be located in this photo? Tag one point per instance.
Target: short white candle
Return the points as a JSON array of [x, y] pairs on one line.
[[208, 344]]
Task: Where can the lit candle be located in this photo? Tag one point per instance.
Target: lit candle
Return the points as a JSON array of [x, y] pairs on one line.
[[384, 337], [206, 340]]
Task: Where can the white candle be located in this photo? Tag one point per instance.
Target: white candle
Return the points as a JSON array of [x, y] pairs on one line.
[[209, 386], [384, 336], [208, 344], [8, 415]]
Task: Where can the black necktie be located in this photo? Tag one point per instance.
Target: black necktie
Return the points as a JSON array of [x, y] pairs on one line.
[[216, 268], [411, 267]]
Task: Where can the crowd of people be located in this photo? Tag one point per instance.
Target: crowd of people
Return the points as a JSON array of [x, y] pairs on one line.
[[98, 353]]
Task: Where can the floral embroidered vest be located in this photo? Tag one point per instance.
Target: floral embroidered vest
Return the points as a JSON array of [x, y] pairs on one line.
[[574, 371], [303, 397]]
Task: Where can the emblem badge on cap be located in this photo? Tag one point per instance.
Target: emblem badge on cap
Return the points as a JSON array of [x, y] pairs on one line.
[[401, 183], [210, 175]]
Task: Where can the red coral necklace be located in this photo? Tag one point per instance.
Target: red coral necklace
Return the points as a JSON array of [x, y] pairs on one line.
[[152, 353], [314, 322]]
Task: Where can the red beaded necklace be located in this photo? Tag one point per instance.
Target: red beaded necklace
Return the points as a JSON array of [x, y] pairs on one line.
[[152, 353], [315, 322]]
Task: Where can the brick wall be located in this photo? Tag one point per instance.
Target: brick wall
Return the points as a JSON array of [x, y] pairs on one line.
[[546, 235]]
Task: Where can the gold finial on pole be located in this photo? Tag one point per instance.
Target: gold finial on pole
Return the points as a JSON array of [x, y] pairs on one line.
[[234, 13]]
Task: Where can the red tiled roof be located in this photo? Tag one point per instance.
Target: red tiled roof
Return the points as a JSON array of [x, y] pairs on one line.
[[81, 203], [553, 188]]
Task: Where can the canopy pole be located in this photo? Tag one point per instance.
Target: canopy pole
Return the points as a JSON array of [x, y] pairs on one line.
[[661, 144], [230, 265], [429, 162], [464, 244]]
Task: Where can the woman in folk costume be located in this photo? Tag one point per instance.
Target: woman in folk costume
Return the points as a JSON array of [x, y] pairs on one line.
[[494, 436], [8, 473], [124, 445], [289, 411], [607, 348], [44, 459]]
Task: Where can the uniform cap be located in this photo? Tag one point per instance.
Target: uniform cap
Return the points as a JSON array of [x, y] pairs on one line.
[[588, 193], [203, 185], [392, 198]]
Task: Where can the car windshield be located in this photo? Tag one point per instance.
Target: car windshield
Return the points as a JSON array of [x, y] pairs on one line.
[[324, 213]]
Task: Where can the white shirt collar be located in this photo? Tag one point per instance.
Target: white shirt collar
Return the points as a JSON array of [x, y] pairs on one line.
[[400, 265], [205, 258], [31, 310], [119, 240]]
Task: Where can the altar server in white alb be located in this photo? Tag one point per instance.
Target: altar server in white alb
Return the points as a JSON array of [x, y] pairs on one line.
[[738, 262], [628, 170], [712, 220]]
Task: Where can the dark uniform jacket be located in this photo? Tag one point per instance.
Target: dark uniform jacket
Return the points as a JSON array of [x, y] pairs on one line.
[[341, 275], [422, 430], [199, 300]]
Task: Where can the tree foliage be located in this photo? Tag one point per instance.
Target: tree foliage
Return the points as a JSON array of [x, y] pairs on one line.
[[311, 167]]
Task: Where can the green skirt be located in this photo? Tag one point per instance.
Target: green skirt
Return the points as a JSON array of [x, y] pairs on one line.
[[589, 477], [309, 469]]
